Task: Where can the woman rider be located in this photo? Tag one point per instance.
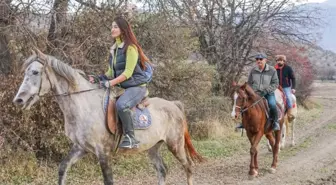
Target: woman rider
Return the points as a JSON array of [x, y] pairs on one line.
[[127, 69]]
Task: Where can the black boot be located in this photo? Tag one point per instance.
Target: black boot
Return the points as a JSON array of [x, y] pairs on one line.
[[274, 116], [239, 125], [276, 126], [128, 140]]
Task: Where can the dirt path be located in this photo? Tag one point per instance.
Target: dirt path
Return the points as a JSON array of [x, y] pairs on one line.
[[311, 161]]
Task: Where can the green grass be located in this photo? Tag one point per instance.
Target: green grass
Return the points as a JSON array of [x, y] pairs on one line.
[[331, 126]]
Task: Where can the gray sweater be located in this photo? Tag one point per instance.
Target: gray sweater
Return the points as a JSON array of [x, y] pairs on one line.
[[263, 81]]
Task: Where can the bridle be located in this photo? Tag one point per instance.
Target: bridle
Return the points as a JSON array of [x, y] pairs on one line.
[[51, 86], [244, 109]]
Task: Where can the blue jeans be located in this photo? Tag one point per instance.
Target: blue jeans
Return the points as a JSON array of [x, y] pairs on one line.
[[272, 105], [288, 93], [131, 97]]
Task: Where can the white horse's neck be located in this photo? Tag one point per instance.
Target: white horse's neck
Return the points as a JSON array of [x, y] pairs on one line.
[[71, 97]]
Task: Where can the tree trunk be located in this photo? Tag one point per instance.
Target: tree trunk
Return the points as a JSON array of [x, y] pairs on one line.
[[57, 27], [5, 59]]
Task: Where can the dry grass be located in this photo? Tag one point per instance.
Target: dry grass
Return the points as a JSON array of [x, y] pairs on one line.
[[214, 139]]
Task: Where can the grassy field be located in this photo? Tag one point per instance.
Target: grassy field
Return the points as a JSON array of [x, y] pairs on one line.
[[21, 167]]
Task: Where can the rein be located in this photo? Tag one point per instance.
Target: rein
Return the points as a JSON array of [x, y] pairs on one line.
[[51, 86], [253, 104], [68, 94]]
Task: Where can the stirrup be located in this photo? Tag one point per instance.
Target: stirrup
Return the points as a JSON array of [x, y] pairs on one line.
[[240, 125], [276, 126], [132, 144]]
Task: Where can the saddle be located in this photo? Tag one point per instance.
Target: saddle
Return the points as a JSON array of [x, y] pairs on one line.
[[113, 122]]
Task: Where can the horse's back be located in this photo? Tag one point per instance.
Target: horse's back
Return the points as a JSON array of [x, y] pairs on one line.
[[280, 98], [161, 105], [167, 122]]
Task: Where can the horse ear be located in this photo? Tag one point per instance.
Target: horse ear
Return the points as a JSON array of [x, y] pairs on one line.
[[234, 84], [244, 85], [40, 54], [33, 52]]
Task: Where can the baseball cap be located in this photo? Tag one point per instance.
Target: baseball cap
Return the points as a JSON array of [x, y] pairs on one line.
[[260, 55]]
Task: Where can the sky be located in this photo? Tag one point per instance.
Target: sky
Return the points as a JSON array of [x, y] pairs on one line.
[[316, 1]]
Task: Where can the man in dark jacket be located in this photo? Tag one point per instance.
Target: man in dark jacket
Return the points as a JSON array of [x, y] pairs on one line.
[[264, 81], [286, 81]]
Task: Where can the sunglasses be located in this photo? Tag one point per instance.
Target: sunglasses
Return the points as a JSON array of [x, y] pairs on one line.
[[259, 59]]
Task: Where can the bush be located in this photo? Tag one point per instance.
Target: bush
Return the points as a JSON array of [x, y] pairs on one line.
[[38, 130]]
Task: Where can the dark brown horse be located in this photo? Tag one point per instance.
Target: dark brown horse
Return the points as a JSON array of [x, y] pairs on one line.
[[253, 109]]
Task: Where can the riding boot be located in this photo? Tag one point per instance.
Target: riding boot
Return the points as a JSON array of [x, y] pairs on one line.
[[239, 125], [276, 126], [290, 115], [128, 140], [274, 116]]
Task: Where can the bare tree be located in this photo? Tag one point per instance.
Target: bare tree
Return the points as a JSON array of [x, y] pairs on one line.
[[229, 31], [5, 60], [58, 22]]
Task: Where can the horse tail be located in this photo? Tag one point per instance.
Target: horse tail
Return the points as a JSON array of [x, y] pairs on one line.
[[189, 146], [191, 151]]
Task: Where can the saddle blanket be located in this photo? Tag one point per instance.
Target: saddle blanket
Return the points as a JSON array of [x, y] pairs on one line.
[[142, 118]]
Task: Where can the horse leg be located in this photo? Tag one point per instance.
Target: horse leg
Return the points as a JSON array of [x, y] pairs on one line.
[[176, 146], [271, 141], [293, 128], [254, 154], [154, 155], [75, 153], [275, 151], [106, 169], [283, 136]]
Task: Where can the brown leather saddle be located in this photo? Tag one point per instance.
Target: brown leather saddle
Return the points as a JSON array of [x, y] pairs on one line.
[[113, 122]]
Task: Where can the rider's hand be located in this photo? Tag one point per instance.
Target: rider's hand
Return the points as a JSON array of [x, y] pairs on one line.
[[91, 79], [263, 93], [293, 91], [106, 84]]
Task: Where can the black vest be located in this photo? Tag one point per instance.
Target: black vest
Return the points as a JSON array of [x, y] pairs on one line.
[[138, 77]]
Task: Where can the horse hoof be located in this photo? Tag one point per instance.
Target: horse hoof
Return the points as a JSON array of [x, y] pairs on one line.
[[270, 149], [272, 170], [254, 175], [282, 147], [293, 144]]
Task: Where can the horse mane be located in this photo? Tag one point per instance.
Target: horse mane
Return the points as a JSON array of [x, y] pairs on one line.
[[59, 67], [255, 97], [28, 61], [250, 92]]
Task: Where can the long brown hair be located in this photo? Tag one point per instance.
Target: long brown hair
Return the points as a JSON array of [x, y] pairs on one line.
[[129, 38]]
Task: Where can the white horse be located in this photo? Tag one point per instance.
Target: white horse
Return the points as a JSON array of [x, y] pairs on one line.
[[81, 104], [289, 123]]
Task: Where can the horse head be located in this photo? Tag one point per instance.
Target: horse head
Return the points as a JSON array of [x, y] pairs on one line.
[[35, 82], [240, 97]]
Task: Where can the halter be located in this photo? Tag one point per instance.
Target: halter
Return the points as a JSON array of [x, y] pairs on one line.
[[51, 86], [253, 104]]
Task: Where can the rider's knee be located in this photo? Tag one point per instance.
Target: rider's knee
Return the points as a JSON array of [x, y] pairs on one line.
[[121, 106]]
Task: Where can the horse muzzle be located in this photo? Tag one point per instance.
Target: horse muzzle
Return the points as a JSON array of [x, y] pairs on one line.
[[234, 115], [25, 101]]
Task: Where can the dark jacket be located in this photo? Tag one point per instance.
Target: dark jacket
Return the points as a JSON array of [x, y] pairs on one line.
[[263, 81], [286, 76], [138, 77]]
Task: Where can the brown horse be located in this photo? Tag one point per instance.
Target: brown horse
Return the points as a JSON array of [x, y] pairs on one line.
[[253, 109]]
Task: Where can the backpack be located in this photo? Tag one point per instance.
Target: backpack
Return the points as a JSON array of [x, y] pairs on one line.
[[149, 72]]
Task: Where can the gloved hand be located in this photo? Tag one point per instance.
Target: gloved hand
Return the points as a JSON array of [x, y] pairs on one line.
[[263, 93], [105, 83], [93, 79]]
